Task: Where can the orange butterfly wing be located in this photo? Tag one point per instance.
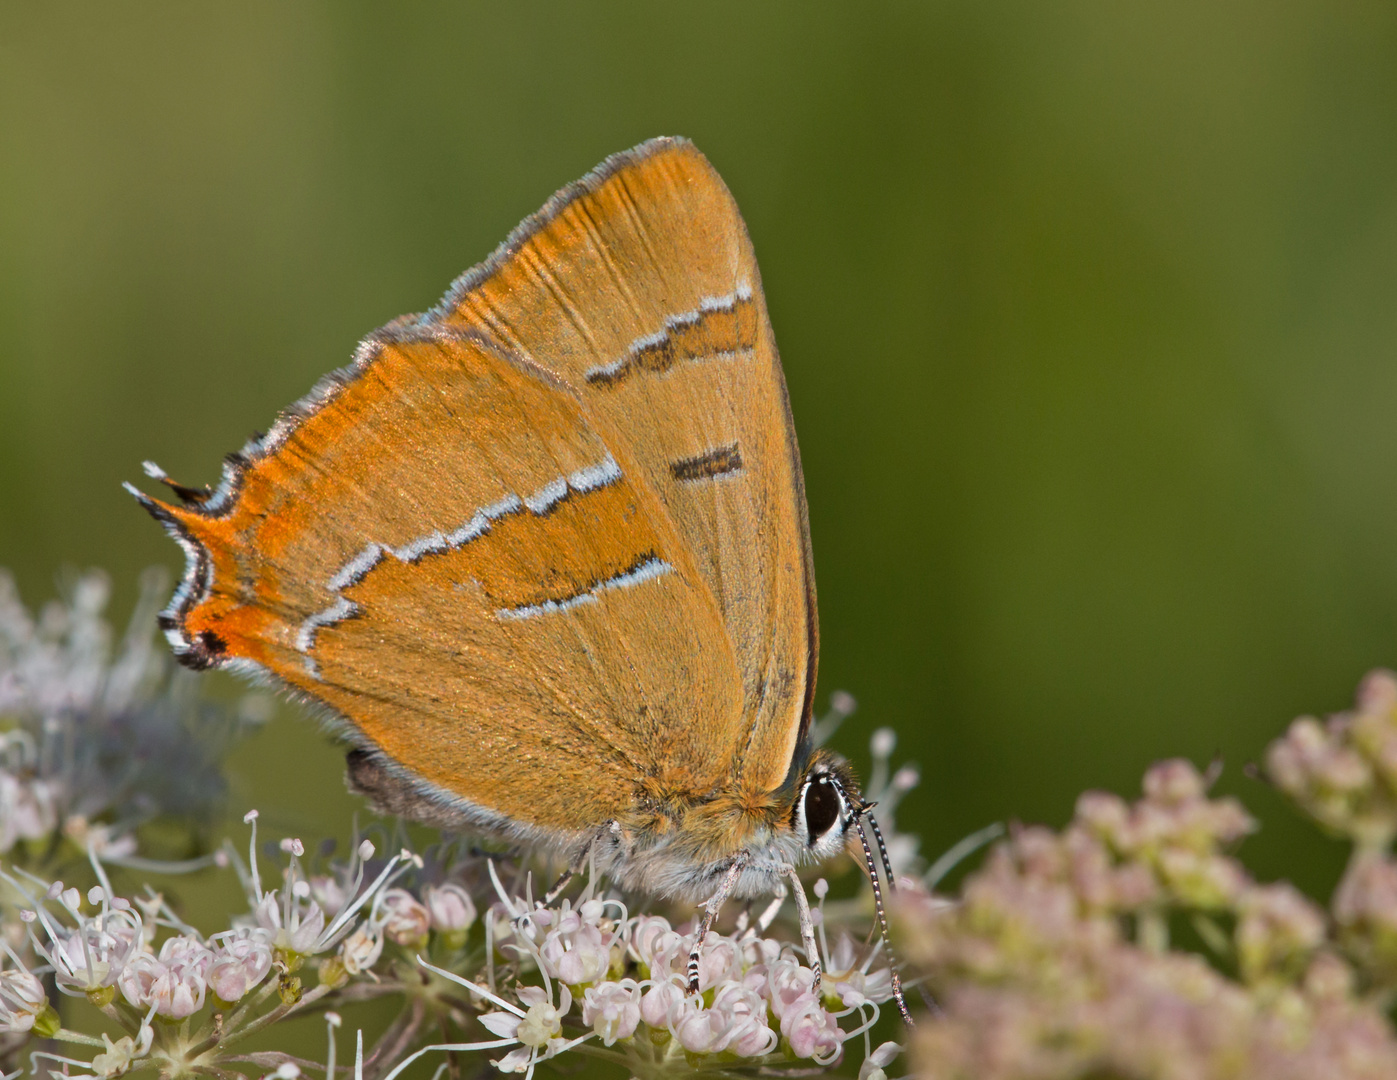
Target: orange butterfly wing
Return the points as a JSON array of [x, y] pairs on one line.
[[555, 525], [639, 286]]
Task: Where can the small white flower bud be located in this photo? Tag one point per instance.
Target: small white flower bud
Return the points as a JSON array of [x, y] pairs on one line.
[[22, 999], [405, 921], [451, 908], [612, 1009], [361, 950], [241, 961], [541, 1023]]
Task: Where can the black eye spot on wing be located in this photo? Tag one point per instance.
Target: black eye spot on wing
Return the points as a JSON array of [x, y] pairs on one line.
[[821, 809]]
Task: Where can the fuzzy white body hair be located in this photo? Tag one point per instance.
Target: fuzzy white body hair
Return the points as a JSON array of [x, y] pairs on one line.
[[660, 865]]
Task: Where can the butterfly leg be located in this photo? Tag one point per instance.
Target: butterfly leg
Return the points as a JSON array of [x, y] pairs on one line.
[[768, 915], [558, 887], [807, 923], [711, 907], [584, 861]]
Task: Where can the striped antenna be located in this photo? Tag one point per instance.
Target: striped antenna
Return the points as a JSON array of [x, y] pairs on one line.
[[860, 817]]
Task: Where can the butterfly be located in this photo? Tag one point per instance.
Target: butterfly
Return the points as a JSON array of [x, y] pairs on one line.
[[542, 554]]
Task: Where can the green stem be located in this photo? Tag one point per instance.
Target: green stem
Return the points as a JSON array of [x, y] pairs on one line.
[[264, 991], [64, 1035], [279, 1013]]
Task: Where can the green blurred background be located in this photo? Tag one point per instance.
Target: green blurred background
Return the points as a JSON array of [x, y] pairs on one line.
[[1088, 310]]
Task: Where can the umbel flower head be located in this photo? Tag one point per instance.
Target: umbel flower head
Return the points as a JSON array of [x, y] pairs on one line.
[[97, 736], [591, 975], [1055, 961], [577, 975]]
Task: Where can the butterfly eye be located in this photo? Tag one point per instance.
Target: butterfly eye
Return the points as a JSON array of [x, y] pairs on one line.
[[822, 809]]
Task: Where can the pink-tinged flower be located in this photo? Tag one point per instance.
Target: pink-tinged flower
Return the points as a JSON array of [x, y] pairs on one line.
[[719, 960], [28, 809], [294, 923], [758, 950], [787, 982], [1201, 881], [849, 981], [450, 907], [22, 999], [538, 1030], [576, 951], [1365, 908], [1344, 770], [1174, 782], [1329, 980], [361, 950], [1108, 816], [174, 983], [661, 1003], [655, 944], [90, 957], [646, 932], [186, 952], [612, 1010], [241, 960], [744, 1016], [810, 1031], [700, 1030], [405, 920], [858, 987], [577, 958], [328, 892], [1277, 930]]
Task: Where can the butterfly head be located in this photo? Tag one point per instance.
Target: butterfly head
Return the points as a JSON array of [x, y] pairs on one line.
[[828, 816], [827, 805]]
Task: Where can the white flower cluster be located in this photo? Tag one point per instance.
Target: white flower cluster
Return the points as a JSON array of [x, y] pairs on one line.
[[582, 975], [74, 707], [101, 945], [620, 980]]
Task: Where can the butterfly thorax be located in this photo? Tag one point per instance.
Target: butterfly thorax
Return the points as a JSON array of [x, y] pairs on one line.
[[681, 845]]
